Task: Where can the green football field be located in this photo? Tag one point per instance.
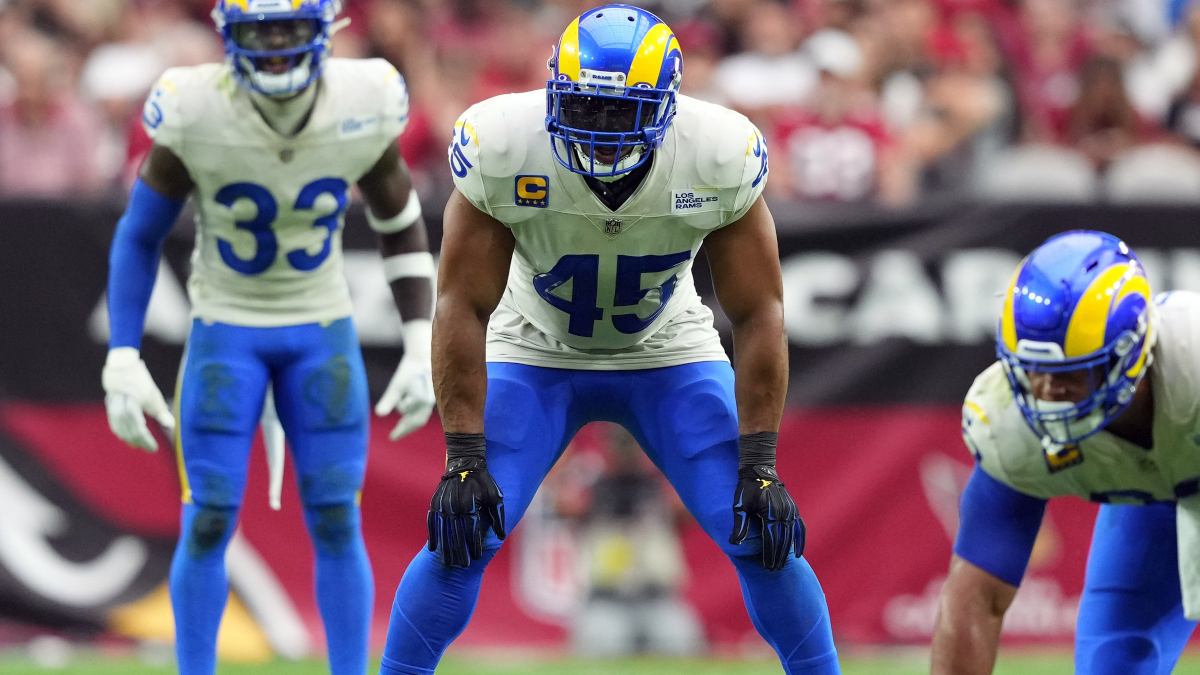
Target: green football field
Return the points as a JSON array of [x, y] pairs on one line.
[[1054, 663]]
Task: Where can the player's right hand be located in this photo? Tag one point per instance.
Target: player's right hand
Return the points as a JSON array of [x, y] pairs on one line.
[[465, 505], [129, 395]]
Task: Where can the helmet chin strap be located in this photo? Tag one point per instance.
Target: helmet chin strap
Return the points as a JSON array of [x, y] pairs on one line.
[[601, 168]]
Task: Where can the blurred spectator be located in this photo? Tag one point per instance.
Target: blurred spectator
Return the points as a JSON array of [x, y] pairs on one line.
[[772, 72], [967, 112], [1103, 123], [1046, 57], [837, 148], [48, 139], [634, 566]]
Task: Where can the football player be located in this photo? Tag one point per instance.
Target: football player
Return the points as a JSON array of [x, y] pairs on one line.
[[1095, 394], [566, 296], [267, 145]]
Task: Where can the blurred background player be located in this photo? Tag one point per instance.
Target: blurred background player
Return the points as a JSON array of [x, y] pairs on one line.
[[1095, 394], [268, 144], [632, 566], [598, 192]]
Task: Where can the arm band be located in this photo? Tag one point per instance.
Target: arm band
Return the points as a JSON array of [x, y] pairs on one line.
[[998, 527], [407, 265], [133, 261], [410, 214]]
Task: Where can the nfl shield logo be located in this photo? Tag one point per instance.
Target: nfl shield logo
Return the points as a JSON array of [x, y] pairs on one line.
[[612, 227]]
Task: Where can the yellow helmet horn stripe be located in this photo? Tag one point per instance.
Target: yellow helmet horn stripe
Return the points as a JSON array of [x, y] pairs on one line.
[[647, 63], [1008, 322], [244, 4], [1089, 322], [568, 52], [1140, 285]]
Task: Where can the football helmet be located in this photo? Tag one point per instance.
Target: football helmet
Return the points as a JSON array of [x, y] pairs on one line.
[[1080, 302], [276, 47], [615, 74]]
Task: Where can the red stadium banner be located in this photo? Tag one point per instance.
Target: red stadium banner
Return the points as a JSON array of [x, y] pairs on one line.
[[89, 525]]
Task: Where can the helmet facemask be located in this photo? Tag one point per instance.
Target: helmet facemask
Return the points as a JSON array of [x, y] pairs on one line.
[[606, 131], [277, 52]]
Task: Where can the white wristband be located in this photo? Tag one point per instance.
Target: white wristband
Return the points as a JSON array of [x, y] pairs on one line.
[[410, 214], [407, 265]]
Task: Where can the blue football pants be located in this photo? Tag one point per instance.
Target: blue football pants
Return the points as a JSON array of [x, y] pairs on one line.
[[685, 418], [321, 396], [1131, 614]]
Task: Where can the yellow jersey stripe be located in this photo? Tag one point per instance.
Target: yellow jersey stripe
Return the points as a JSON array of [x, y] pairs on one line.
[[568, 52], [647, 63], [1085, 332], [974, 407]]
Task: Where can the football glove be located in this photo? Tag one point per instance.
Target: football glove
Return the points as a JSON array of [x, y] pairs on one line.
[[410, 391], [465, 505], [760, 496], [129, 395]]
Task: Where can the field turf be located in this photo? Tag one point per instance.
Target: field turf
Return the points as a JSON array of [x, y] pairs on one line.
[[1052, 663]]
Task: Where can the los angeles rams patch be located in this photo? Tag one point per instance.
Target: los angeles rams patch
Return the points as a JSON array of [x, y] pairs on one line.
[[357, 126], [532, 191], [695, 200]]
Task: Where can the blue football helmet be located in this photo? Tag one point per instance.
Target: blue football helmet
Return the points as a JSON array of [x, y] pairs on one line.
[[276, 47], [1079, 302], [616, 72]]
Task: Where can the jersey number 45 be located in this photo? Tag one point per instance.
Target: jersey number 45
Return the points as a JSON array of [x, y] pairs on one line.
[[584, 273]]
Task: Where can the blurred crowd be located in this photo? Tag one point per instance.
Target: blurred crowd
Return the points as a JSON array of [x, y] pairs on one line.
[[883, 101]]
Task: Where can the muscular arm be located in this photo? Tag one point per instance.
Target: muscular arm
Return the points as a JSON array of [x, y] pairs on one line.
[[971, 610], [386, 189], [744, 258], [476, 252]]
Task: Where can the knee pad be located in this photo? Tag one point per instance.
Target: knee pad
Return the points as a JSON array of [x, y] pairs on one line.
[[210, 526], [334, 527]]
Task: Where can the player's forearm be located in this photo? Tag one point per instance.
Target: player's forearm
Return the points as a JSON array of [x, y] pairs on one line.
[[761, 361], [971, 611], [408, 267], [133, 261], [459, 365], [965, 641]]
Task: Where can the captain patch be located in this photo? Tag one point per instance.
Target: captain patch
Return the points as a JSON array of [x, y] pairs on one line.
[[696, 200], [532, 191]]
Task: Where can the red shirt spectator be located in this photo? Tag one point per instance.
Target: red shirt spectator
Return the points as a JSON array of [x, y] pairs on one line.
[[830, 160]]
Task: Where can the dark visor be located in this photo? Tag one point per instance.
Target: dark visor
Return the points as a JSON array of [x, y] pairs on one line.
[[270, 36], [606, 114]]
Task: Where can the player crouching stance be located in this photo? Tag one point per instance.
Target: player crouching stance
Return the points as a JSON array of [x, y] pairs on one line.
[[1096, 394], [565, 296], [268, 145]]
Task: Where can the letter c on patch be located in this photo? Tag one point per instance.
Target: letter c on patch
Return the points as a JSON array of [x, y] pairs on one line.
[[532, 191]]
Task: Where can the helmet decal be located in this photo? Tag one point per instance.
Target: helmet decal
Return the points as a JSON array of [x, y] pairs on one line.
[[568, 52]]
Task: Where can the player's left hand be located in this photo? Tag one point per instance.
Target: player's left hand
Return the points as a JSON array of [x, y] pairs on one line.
[[761, 496], [410, 393], [465, 505]]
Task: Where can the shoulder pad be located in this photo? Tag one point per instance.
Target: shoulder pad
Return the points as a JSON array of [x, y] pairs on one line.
[[373, 86], [730, 152], [492, 140], [165, 115]]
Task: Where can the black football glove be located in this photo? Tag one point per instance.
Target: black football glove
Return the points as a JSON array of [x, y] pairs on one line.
[[466, 504], [761, 496]]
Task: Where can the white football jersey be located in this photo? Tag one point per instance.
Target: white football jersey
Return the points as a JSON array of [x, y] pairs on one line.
[[270, 209], [1103, 468], [591, 288]]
